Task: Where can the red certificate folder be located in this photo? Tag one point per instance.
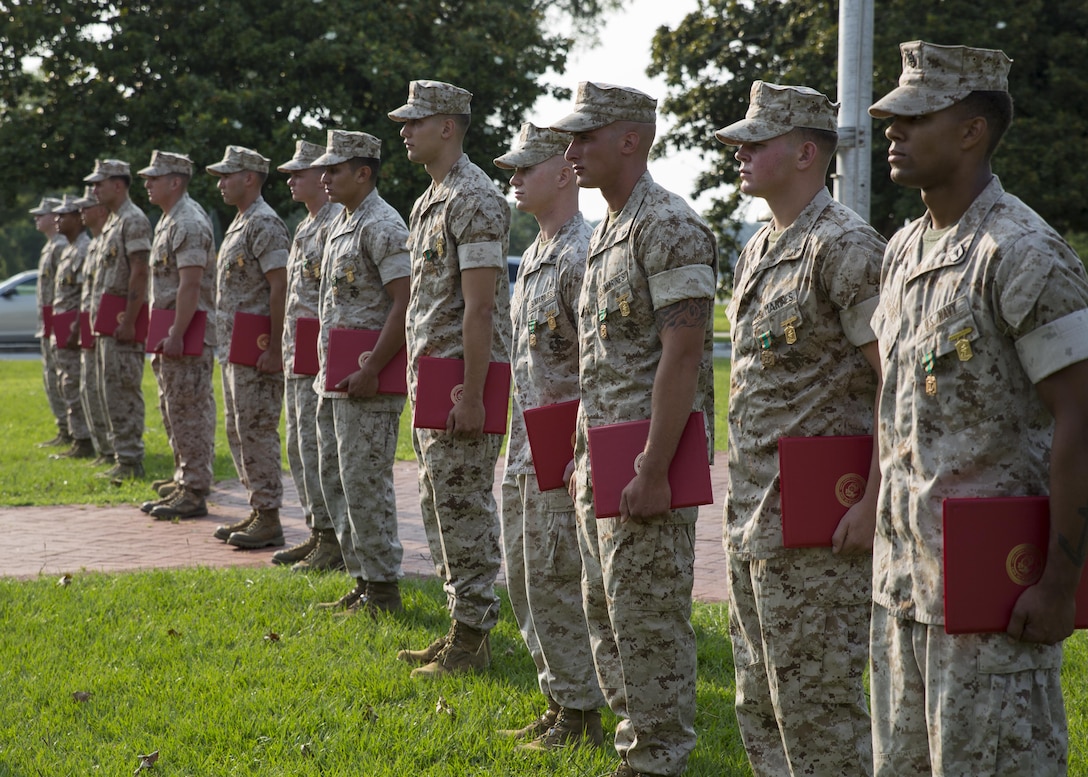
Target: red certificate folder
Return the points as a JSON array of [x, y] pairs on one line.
[[551, 431], [439, 386], [994, 548], [62, 326], [249, 338], [47, 320], [86, 336], [615, 456], [820, 478], [349, 348], [307, 331], [159, 329], [109, 316]]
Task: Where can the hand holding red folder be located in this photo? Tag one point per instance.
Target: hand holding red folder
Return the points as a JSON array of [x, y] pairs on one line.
[[615, 456], [551, 431], [440, 384], [162, 320], [111, 312], [250, 338], [350, 348], [307, 331], [63, 323]]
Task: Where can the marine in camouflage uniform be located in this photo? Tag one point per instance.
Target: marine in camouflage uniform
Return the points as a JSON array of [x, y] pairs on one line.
[[300, 399], [122, 271], [460, 308], [182, 269], [540, 528], [94, 215], [68, 284], [805, 288], [365, 285], [251, 277], [645, 341], [47, 263], [983, 336]]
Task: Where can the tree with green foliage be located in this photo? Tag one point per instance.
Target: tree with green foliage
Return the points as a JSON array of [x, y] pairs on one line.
[[710, 60], [119, 78]]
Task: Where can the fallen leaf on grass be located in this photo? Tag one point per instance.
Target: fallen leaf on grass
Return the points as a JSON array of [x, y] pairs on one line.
[[81, 695], [444, 706], [370, 715], [146, 761], [272, 637], [173, 633], [307, 750], [65, 579]]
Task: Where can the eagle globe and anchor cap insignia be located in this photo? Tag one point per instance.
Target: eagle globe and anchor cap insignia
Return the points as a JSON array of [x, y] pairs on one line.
[[849, 489], [1024, 564]]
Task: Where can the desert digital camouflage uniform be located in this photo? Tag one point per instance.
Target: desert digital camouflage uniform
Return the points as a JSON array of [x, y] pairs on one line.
[[459, 224], [540, 529], [90, 389], [639, 575], [121, 365], [971, 318], [183, 238], [300, 399], [799, 618], [358, 435], [67, 288], [1004, 277], [47, 263], [255, 243]]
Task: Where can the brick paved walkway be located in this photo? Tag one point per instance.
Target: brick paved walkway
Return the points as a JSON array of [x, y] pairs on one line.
[[72, 538]]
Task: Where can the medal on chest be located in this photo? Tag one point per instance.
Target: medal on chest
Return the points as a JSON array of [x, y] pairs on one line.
[[928, 360]]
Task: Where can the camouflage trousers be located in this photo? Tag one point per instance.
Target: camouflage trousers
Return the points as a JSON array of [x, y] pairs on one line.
[[357, 451], [187, 404], [68, 379], [52, 385], [456, 498], [799, 624], [252, 403], [982, 705], [544, 574], [94, 404], [300, 404], [121, 372], [637, 599]]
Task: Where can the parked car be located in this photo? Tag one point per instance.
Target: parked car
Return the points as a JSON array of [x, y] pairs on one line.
[[19, 309]]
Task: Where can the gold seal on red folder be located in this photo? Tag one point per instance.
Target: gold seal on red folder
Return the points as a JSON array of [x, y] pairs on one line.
[[263, 340], [1024, 564], [850, 489]]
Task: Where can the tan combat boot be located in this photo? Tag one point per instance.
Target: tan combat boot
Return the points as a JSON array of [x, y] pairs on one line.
[[265, 531], [467, 650], [80, 449], [157, 485], [572, 728], [296, 552], [537, 727], [62, 439], [348, 599], [224, 530], [325, 557], [429, 653], [184, 504], [379, 597], [151, 504]]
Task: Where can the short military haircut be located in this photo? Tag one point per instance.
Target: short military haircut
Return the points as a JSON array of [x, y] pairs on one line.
[[827, 141], [996, 107], [126, 178], [462, 120], [375, 165]]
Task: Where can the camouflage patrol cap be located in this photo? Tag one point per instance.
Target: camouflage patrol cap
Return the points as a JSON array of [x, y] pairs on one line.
[[164, 162], [107, 168], [45, 207], [597, 105], [534, 145], [305, 154], [239, 158], [70, 204], [430, 98], [344, 145], [88, 200], [774, 110], [935, 77]]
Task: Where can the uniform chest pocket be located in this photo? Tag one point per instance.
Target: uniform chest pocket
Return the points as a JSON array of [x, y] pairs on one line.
[[779, 323], [952, 373], [542, 309]]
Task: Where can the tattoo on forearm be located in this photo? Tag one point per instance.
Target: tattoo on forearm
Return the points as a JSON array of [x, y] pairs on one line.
[[1077, 554], [685, 313]]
